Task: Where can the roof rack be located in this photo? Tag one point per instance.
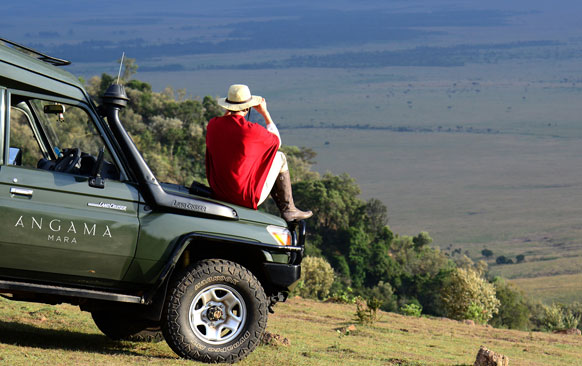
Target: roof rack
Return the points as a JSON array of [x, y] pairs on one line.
[[40, 56]]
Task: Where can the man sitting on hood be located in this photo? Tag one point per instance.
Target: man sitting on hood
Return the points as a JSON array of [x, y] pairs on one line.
[[243, 164]]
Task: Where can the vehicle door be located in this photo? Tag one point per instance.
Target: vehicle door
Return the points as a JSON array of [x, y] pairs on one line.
[[52, 219]]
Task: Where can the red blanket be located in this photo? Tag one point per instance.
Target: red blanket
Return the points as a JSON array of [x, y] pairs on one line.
[[239, 155]]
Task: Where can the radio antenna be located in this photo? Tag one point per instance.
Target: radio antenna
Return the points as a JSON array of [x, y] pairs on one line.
[[120, 67]]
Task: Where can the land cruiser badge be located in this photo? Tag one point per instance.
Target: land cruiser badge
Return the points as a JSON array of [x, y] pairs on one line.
[[112, 206]]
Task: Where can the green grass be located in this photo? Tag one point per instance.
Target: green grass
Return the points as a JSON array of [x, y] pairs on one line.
[[62, 335]]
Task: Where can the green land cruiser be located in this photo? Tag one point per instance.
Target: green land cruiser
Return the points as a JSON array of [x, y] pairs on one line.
[[84, 221]]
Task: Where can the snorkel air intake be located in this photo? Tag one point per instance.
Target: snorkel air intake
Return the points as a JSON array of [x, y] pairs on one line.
[[114, 100]]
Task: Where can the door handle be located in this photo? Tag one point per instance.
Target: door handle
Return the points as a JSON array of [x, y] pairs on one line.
[[21, 191]]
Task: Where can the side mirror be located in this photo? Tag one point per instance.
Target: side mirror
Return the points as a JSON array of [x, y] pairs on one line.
[[96, 180]]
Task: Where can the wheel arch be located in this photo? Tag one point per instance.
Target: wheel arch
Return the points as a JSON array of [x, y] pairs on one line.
[[199, 248], [195, 247]]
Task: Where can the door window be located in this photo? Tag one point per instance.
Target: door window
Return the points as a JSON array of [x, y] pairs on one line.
[[25, 149], [57, 136]]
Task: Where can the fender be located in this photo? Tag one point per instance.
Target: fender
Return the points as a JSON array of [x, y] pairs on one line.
[[155, 297], [184, 241]]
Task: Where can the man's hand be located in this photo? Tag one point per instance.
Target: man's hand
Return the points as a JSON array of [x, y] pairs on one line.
[[262, 109]]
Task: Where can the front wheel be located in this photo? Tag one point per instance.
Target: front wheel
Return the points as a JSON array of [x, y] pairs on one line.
[[216, 311]]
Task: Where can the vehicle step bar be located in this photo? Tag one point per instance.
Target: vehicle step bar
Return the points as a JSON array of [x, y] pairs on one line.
[[68, 291]]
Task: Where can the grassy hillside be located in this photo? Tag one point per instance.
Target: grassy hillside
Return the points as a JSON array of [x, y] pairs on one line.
[[62, 335]]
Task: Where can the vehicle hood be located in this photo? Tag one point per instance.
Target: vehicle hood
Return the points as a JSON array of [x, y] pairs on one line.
[[244, 213]]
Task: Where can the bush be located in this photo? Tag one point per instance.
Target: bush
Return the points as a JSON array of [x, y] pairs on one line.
[[411, 310], [384, 292], [514, 310], [557, 316], [317, 276], [343, 296], [466, 292], [367, 311]]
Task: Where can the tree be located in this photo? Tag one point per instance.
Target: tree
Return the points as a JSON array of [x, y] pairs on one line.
[[513, 312], [420, 273], [487, 253], [129, 68], [376, 215], [520, 258], [421, 241], [465, 292], [358, 255], [503, 260]]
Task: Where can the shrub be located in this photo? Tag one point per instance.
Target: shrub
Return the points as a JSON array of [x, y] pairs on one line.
[[411, 310], [343, 296], [465, 291], [514, 310], [367, 311], [557, 316], [317, 276], [384, 292]]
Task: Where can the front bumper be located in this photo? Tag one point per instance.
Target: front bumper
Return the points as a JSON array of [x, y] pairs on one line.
[[285, 276], [282, 276]]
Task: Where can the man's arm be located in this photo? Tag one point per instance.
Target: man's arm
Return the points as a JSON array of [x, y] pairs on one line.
[[262, 109]]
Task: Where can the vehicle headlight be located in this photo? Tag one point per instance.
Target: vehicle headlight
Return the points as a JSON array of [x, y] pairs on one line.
[[281, 234]]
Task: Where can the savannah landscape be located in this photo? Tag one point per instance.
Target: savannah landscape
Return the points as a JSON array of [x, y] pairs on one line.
[[462, 118]]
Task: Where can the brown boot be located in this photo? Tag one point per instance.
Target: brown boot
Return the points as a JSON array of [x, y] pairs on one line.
[[283, 197]]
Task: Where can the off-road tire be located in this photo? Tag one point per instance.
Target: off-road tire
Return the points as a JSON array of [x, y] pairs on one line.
[[124, 327], [207, 297]]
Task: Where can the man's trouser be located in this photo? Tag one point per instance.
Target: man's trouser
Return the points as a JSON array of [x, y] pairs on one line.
[[279, 166]]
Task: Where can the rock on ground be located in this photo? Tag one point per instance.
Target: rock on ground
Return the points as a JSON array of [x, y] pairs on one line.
[[272, 339], [486, 357]]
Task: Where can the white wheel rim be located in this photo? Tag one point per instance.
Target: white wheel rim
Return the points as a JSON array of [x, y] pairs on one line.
[[217, 314]]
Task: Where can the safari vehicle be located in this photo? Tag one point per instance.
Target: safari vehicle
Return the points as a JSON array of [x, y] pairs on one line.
[[86, 222]]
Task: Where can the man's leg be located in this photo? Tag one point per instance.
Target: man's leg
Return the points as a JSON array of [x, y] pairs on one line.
[[279, 165], [281, 190]]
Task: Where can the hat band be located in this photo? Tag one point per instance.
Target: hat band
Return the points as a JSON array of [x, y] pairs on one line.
[[243, 102]]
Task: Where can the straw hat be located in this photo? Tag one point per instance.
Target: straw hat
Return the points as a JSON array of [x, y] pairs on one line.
[[239, 98]]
